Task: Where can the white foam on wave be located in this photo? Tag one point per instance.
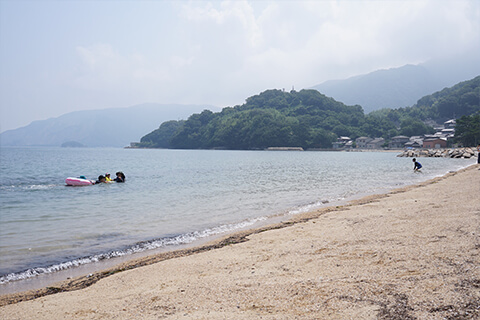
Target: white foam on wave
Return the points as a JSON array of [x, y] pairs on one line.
[[181, 239], [314, 206], [40, 187]]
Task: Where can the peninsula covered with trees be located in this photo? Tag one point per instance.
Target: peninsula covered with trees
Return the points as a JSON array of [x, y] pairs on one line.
[[309, 119]]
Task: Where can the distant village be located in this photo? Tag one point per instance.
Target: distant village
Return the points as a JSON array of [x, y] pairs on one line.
[[429, 141]]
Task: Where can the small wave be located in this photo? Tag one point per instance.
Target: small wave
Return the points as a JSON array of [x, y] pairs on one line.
[[28, 187], [313, 206], [40, 186], [137, 248]]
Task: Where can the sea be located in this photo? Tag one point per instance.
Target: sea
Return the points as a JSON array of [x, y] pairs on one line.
[[171, 198]]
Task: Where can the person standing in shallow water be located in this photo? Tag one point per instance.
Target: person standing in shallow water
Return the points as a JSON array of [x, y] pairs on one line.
[[417, 166]]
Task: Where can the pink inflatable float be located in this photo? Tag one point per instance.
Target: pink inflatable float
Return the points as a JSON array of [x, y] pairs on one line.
[[78, 182]]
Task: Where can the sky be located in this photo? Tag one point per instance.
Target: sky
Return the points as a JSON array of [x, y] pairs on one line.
[[62, 56]]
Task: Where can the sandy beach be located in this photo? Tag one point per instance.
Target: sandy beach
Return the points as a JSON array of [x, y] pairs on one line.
[[413, 253]]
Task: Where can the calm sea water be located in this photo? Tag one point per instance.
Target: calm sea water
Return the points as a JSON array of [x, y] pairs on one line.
[[171, 197]]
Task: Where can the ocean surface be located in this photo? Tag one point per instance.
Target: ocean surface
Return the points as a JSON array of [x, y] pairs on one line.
[[170, 198]]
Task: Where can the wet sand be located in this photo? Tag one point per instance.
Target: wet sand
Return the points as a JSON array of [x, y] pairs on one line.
[[413, 253]]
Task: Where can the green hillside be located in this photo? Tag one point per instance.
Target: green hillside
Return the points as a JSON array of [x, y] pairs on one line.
[[308, 119], [463, 99]]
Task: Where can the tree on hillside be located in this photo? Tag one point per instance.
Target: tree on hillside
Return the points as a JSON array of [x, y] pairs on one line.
[[378, 127], [411, 127], [160, 138], [467, 130]]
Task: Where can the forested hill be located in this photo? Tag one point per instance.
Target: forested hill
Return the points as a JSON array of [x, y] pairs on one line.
[[462, 99], [273, 118], [308, 119]]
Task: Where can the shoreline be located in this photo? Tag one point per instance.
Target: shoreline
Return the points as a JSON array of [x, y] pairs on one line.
[[61, 273], [232, 241], [145, 259], [71, 279]]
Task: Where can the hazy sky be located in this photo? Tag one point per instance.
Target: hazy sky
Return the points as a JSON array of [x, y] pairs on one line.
[[61, 56]]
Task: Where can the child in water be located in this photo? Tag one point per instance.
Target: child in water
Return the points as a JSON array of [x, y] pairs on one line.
[[101, 179], [417, 166]]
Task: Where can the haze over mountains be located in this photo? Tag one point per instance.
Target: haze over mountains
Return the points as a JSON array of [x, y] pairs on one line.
[[392, 88], [403, 86], [99, 128]]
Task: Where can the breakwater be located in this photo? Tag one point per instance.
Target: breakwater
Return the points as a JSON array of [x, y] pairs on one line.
[[464, 153]]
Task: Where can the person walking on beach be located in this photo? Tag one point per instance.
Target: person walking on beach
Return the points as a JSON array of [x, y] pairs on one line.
[[417, 166], [478, 153]]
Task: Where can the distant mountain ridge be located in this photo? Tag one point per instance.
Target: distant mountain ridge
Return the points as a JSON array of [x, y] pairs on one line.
[[400, 87], [115, 127]]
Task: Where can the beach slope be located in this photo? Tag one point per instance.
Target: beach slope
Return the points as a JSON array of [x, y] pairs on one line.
[[413, 253]]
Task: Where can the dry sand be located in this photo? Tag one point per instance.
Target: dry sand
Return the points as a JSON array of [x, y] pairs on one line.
[[410, 254]]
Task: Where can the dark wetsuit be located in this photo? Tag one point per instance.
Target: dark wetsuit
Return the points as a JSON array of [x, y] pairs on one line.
[[417, 166]]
